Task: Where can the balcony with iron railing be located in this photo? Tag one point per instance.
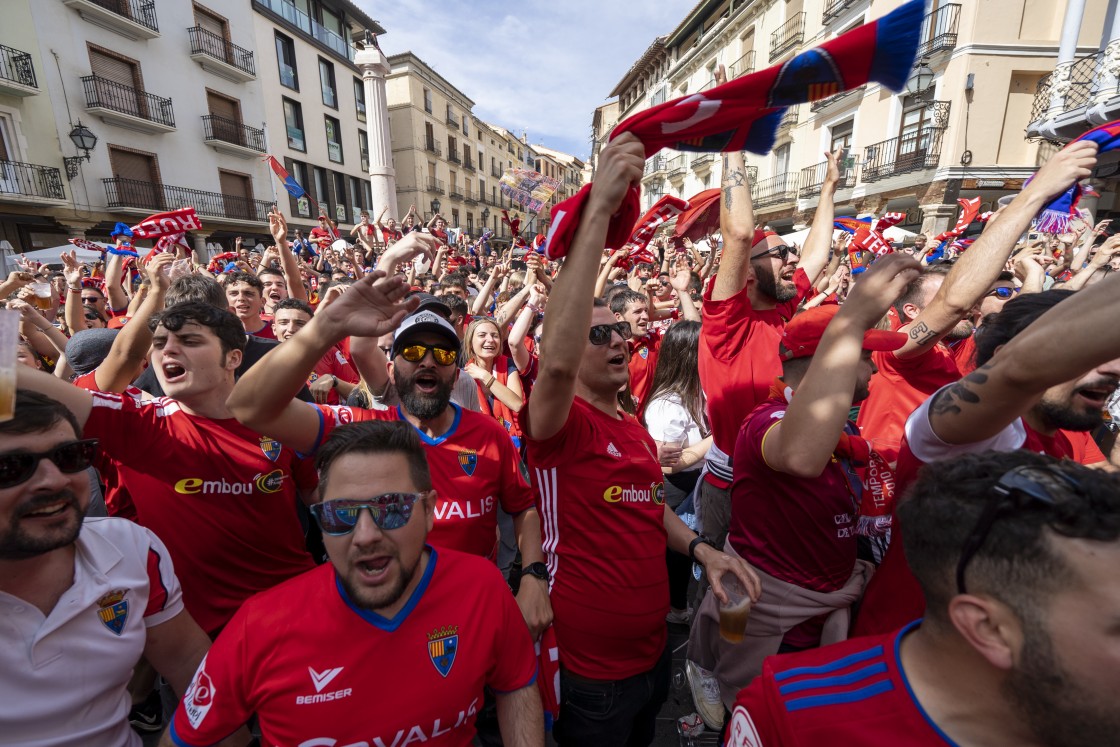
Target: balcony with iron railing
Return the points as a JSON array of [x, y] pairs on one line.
[[139, 196], [775, 190], [435, 185], [221, 56], [300, 20], [230, 136], [452, 121], [833, 9], [453, 156], [703, 159], [17, 72], [824, 103], [456, 192], [1081, 76], [471, 198], [29, 182], [677, 166], [939, 30], [433, 147], [135, 19], [742, 66], [789, 119], [468, 164], [915, 151], [787, 36], [655, 165], [127, 106], [495, 173], [812, 178]]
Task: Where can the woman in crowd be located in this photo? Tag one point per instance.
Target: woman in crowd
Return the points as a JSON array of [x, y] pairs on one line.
[[499, 386]]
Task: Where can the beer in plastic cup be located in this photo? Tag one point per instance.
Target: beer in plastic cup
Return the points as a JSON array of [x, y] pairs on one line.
[[733, 615], [9, 341], [42, 297]]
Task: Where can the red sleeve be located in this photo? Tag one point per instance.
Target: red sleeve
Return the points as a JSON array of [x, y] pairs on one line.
[[514, 658], [516, 495], [1085, 448], [726, 324], [216, 703], [752, 724], [121, 421]]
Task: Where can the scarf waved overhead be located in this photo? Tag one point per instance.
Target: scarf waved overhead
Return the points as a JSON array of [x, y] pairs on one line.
[[743, 114], [1055, 216], [665, 209]]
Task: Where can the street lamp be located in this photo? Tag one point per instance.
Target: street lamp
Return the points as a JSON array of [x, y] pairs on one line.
[[84, 140], [485, 216], [435, 206], [921, 78]]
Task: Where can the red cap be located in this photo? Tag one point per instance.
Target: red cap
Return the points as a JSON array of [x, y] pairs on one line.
[[118, 321], [803, 334], [760, 236]]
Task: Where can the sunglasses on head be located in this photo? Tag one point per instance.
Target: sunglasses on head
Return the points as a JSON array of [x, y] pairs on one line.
[[1003, 293], [18, 466], [388, 510], [600, 334], [781, 252], [416, 353]]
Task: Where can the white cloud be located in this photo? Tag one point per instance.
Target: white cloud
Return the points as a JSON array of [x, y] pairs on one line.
[[537, 66]]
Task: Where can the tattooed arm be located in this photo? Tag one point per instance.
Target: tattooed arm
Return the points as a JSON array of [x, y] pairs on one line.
[[736, 224]]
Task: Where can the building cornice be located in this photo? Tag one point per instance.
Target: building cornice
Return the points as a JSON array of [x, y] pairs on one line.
[[412, 63]]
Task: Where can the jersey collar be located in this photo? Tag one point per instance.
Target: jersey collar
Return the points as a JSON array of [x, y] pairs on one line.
[[437, 440], [386, 623]]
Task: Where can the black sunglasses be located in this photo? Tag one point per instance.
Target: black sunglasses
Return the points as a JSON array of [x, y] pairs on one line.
[[600, 334], [1020, 488], [17, 467], [781, 252]]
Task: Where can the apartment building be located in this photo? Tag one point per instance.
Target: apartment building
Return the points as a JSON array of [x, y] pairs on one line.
[[314, 101], [561, 166], [602, 122], [959, 130]]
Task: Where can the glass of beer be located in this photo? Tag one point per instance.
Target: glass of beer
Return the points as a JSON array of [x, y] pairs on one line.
[[42, 298], [9, 341], [734, 613]]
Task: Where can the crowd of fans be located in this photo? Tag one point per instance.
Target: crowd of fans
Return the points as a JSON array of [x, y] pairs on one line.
[[184, 486]]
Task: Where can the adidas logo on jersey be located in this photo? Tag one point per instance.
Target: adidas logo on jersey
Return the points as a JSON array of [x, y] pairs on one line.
[[613, 450], [320, 680]]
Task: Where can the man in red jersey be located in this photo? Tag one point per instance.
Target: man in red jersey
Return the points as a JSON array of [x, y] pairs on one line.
[[333, 378], [324, 234], [797, 490], [1047, 365], [1016, 554], [600, 489], [245, 293], [475, 465], [220, 497], [389, 643], [936, 306], [757, 290]]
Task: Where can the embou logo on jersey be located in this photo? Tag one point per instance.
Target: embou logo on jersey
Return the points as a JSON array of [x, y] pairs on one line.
[[112, 610], [655, 494], [199, 696], [443, 643], [468, 460], [271, 448]]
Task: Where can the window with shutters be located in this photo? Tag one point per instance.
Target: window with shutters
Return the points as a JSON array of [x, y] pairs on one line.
[[117, 81], [214, 39], [136, 178], [326, 83], [237, 195], [286, 60], [225, 118], [293, 124], [334, 139]]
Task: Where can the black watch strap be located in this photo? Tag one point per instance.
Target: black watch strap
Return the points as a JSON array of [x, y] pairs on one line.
[[537, 570], [699, 539]]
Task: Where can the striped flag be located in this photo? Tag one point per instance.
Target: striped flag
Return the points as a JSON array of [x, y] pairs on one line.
[[289, 181], [889, 219]]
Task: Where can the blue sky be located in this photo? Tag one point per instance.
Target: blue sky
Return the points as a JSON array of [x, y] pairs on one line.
[[534, 65]]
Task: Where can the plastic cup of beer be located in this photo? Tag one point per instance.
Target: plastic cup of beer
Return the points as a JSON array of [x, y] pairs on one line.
[[733, 614], [9, 342], [42, 297]]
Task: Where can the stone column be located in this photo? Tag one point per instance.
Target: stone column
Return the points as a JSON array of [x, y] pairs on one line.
[[201, 253], [937, 218], [1106, 82], [1067, 48], [382, 177]]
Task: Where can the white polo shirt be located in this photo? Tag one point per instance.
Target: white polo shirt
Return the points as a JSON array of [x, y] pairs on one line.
[[63, 677]]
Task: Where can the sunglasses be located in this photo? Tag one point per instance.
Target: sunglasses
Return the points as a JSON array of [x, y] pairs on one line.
[[388, 510], [416, 353], [18, 467], [1018, 489], [1003, 293], [90, 299], [600, 334], [781, 252]]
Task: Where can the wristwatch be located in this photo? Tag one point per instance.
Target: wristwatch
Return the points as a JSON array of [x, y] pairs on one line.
[[537, 570], [699, 539], [334, 382]]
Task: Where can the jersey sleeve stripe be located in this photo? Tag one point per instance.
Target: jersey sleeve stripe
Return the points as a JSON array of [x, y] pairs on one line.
[[318, 435], [846, 661], [157, 593], [177, 739], [530, 683], [844, 679], [851, 696]]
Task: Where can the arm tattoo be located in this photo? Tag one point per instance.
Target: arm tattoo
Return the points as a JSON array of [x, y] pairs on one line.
[[921, 334], [731, 178], [949, 401]]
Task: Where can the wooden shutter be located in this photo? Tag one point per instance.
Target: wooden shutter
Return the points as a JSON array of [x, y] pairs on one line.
[[119, 84], [220, 106], [112, 68], [237, 194], [138, 184], [210, 22]]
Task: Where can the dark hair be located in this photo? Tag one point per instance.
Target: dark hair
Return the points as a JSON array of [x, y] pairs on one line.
[[1015, 316], [228, 328], [1017, 562], [678, 370], [295, 303], [196, 288], [456, 279], [917, 288], [622, 299], [36, 413], [375, 437], [245, 277], [269, 271], [455, 305], [610, 292]]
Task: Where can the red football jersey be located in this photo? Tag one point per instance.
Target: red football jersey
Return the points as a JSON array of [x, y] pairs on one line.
[[474, 468], [220, 497], [643, 361], [850, 694], [601, 496], [318, 670], [334, 363]]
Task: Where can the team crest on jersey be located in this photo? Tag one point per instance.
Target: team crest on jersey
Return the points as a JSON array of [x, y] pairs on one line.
[[271, 448], [644, 352], [468, 460], [112, 610], [443, 643]]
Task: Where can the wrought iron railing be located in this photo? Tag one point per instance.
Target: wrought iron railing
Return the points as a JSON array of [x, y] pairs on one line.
[[677, 165], [142, 12], [468, 165], [702, 159], [453, 156], [915, 151], [455, 193], [743, 65], [787, 36], [776, 189], [232, 131], [655, 165], [108, 94], [435, 185], [939, 29], [452, 120], [434, 147], [17, 67], [834, 8], [812, 178], [495, 173], [30, 180], [204, 41], [131, 193]]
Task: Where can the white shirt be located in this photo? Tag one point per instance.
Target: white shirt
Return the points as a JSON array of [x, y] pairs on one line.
[[64, 677], [668, 421]]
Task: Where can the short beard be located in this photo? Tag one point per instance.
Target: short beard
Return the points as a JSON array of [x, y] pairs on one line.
[[383, 598], [962, 331], [769, 285], [422, 406], [1064, 417], [15, 544]]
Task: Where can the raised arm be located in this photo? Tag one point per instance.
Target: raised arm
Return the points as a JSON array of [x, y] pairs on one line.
[[979, 267], [114, 267], [77, 400], [125, 360], [818, 244], [681, 277], [72, 310], [570, 303]]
